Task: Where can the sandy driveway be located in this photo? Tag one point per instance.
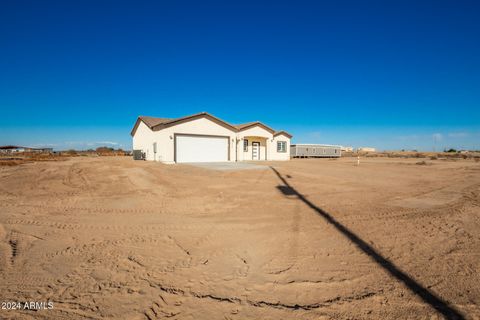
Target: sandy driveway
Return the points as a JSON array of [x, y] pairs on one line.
[[307, 239]]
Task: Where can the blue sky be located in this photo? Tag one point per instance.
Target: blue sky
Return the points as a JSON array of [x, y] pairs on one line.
[[388, 74]]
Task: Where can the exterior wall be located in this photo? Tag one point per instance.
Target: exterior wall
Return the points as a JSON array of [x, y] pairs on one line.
[[254, 134], [14, 150], [144, 139], [247, 155], [282, 156], [315, 151], [165, 138]]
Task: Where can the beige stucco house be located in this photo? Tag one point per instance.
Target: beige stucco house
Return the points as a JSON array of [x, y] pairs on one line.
[[204, 138]]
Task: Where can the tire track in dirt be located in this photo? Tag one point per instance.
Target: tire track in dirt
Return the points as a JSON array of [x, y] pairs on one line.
[[89, 210], [107, 227], [86, 209], [92, 249], [13, 242], [17, 243], [214, 298], [76, 178], [276, 265], [396, 212]]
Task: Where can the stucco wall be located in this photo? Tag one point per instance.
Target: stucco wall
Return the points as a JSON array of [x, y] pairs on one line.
[[165, 138], [248, 154], [274, 155], [144, 138], [254, 134]]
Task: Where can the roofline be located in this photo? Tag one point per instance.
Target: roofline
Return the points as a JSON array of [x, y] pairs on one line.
[[257, 123], [135, 126], [193, 117], [209, 116], [284, 133]]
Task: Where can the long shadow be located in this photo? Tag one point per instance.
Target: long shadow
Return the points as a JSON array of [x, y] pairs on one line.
[[442, 306]]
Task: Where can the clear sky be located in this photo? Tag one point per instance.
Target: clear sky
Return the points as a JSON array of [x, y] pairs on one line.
[[387, 74]]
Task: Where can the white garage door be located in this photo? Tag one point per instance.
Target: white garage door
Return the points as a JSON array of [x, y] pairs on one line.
[[201, 149]]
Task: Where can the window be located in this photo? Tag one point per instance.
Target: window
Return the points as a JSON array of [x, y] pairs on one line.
[[282, 146], [245, 145]]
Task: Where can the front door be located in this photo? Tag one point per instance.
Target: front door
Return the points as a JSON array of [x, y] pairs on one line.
[[255, 150]]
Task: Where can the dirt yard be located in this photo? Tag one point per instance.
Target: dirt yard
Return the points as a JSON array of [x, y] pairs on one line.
[[306, 239]]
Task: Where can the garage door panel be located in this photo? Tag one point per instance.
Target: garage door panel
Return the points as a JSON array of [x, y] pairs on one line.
[[192, 148]]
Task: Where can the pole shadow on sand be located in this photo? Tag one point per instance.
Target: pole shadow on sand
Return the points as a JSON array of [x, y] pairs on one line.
[[442, 306]]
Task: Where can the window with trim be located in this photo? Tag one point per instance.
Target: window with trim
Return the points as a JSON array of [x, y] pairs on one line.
[[282, 146], [245, 145]]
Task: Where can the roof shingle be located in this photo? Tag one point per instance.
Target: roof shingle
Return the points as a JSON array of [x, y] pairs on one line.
[[158, 123]]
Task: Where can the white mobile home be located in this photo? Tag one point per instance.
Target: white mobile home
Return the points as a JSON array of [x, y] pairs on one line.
[[204, 138], [315, 151]]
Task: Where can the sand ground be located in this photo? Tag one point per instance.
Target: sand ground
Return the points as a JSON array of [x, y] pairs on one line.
[[306, 239]]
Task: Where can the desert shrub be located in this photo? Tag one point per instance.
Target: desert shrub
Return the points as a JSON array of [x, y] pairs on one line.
[[433, 158], [421, 163], [104, 149], [71, 152], [477, 159], [9, 163]]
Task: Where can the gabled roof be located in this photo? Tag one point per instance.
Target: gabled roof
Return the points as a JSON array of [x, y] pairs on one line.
[[249, 125], [193, 117], [156, 124], [243, 125], [152, 122], [285, 133]]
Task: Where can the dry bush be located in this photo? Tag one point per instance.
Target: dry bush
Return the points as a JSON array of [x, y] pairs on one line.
[[11, 162], [421, 163], [71, 152], [42, 157]]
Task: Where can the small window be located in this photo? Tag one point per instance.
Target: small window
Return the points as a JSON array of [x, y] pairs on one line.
[[245, 145], [282, 146]]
